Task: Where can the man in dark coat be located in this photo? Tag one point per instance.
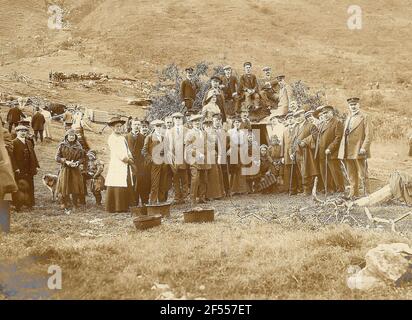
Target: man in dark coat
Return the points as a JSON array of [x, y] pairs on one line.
[[141, 175], [229, 85], [25, 164], [304, 157], [14, 116], [248, 87], [327, 142], [188, 90], [37, 123]]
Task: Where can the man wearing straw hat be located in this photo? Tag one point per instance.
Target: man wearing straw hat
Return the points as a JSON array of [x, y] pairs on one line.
[[269, 92], [355, 147]]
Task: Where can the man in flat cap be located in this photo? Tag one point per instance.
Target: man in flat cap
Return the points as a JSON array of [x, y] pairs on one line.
[[327, 140], [174, 151], [248, 87], [230, 85], [355, 147], [25, 164], [269, 92], [304, 157], [153, 151], [285, 95], [197, 158], [188, 90], [141, 173]]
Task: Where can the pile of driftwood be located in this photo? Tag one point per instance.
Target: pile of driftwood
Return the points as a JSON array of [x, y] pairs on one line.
[[61, 76], [340, 210]]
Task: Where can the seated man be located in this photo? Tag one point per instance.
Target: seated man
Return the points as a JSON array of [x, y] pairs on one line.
[[269, 92], [248, 87]]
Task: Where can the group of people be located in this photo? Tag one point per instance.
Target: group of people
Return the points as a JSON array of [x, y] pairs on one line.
[[210, 154]]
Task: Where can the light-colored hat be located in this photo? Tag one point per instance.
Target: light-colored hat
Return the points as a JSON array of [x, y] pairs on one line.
[[226, 67], [156, 122], [177, 115], [21, 127], [266, 68], [299, 113], [115, 120], [195, 117]]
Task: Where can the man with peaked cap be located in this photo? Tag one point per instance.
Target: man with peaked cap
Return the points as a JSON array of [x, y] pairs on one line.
[[153, 151], [188, 90], [327, 138], [285, 94], [215, 90], [24, 162], [196, 157], [275, 153], [141, 172], [248, 87], [355, 147], [229, 86], [174, 152], [304, 157], [269, 92]]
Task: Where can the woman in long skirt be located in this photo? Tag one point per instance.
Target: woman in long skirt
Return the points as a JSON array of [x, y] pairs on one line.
[[70, 155], [119, 194]]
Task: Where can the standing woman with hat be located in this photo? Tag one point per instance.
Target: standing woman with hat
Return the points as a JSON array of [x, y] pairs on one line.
[[70, 155], [119, 194]]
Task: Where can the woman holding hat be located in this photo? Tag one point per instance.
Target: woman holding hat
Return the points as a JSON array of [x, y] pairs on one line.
[[70, 155], [119, 194]]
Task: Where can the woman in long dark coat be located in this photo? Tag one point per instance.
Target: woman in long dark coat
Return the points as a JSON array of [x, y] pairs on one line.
[[70, 155]]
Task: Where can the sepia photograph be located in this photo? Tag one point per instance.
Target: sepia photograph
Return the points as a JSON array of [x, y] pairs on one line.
[[232, 151]]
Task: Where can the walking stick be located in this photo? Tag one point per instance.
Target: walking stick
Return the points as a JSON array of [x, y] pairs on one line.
[[326, 177], [365, 193], [303, 168], [290, 178]]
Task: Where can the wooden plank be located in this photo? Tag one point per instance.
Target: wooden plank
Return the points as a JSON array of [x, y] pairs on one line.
[[377, 197]]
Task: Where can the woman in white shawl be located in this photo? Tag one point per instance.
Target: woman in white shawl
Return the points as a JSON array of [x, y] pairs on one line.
[[119, 195]]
